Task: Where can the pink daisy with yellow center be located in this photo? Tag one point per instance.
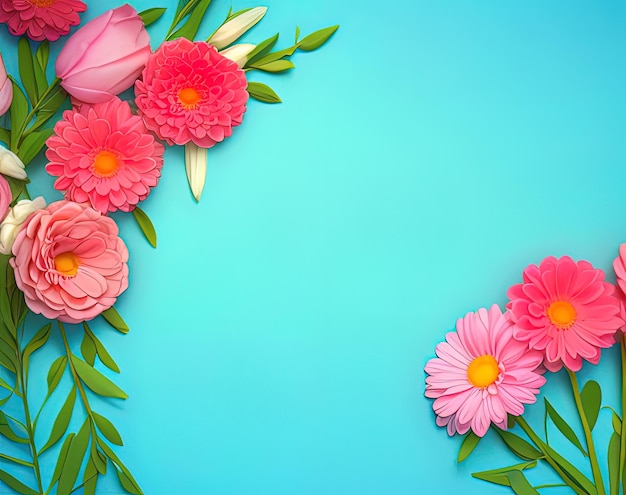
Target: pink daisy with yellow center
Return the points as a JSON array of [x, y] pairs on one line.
[[566, 310], [481, 374], [41, 19]]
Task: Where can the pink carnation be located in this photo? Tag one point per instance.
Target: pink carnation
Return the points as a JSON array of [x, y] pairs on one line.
[[565, 309], [5, 197], [70, 262], [104, 155], [190, 92], [41, 19], [481, 374]]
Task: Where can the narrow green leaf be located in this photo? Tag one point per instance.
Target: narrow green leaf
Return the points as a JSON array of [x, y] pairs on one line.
[[5, 135], [101, 351], [114, 319], [74, 460], [467, 447], [262, 92], [108, 430], [18, 113], [90, 478], [261, 49], [61, 459], [38, 340], [127, 481], [62, 421], [150, 16], [5, 385], [520, 484], [520, 447], [49, 109], [613, 462], [33, 143], [314, 40], [98, 458], [190, 28], [88, 349], [499, 476], [7, 432], [275, 66], [16, 484], [55, 373], [271, 57], [40, 63], [591, 397], [617, 424], [16, 460], [576, 476], [145, 224], [96, 381], [563, 427], [26, 68], [297, 34]]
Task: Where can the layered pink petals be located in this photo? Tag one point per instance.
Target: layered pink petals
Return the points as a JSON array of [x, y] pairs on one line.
[[5, 197], [565, 336], [105, 56], [106, 131], [459, 403], [6, 89], [70, 262], [41, 19], [189, 92]]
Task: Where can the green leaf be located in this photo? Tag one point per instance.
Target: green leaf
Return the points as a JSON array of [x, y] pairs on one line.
[[613, 462], [90, 478], [16, 484], [62, 421], [74, 460], [617, 423], [467, 447], [17, 461], [114, 319], [520, 484], [275, 66], [499, 476], [576, 476], [191, 26], [108, 430], [127, 480], [520, 447], [314, 40], [262, 92], [103, 354], [33, 143], [563, 427], [591, 397], [5, 135], [297, 34], [88, 349], [18, 113], [145, 224], [7, 432], [48, 110], [96, 381], [98, 458], [26, 68], [61, 459], [261, 49], [271, 57], [38, 340], [150, 16], [55, 373], [42, 55]]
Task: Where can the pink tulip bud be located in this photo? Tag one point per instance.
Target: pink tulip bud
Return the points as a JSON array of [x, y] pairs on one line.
[[6, 89], [105, 56]]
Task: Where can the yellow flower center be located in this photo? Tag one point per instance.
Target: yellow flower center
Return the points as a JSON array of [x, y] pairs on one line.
[[483, 371], [189, 98], [42, 3], [562, 314], [66, 264], [105, 164]]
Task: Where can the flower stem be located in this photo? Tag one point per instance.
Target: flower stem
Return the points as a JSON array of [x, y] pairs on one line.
[[622, 448], [591, 450]]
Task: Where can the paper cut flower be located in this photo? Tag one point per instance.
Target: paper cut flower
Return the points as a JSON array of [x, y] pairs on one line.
[[6, 88], [5, 197], [236, 27], [481, 374], [105, 56], [238, 53], [104, 155], [565, 309], [11, 165], [12, 223], [189, 92], [70, 262], [41, 19]]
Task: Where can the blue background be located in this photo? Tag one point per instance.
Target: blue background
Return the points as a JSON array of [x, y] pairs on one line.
[[419, 162]]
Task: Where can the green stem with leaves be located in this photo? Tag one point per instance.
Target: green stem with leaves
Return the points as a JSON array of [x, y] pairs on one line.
[[54, 86]]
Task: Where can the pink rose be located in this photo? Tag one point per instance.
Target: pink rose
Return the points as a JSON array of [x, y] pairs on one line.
[[6, 89], [5, 197], [70, 262], [105, 56]]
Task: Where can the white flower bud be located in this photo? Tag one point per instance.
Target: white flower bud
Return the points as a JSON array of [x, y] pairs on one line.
[[195, 164], [12, 223], [234, 29], [238, 53], [10, 164]]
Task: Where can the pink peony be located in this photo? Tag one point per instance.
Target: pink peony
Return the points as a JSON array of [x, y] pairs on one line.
[[104, 155], [482, 374], [41, 19], [105, 56], [70, 262], [565, 309], [6, 88], [5, 197], [190, 92]]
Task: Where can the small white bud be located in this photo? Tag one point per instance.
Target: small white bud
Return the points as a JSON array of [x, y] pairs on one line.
[[234, 29]]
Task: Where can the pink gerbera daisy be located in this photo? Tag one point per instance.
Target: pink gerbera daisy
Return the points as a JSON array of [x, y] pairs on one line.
[[41, 19], [482, 374], [565, 309], [189, 92], [105, 156]]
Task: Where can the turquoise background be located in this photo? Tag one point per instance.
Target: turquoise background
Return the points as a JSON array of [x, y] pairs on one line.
[[419, 162]]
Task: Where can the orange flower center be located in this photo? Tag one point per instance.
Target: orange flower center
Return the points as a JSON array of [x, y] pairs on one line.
[[562, 314], [483, 371], [42, 3], [105, 164], [66, 264], [189, 98]]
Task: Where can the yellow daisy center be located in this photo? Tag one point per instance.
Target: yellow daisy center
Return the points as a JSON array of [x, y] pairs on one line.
[[562, 314], [483, 371], [66, 264], [189, 98], [105, 164]]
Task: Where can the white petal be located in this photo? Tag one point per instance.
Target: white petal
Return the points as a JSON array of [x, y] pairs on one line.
[[238, 53], [232, 30], [195, 164]]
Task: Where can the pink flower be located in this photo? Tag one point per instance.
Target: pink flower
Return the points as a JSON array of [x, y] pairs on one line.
[[565, 309], [5, 197], [70, 262], [41, 19], [190, 92], [104, 155], [105, 56], [6, 89], [482, 374], [619, 265]]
